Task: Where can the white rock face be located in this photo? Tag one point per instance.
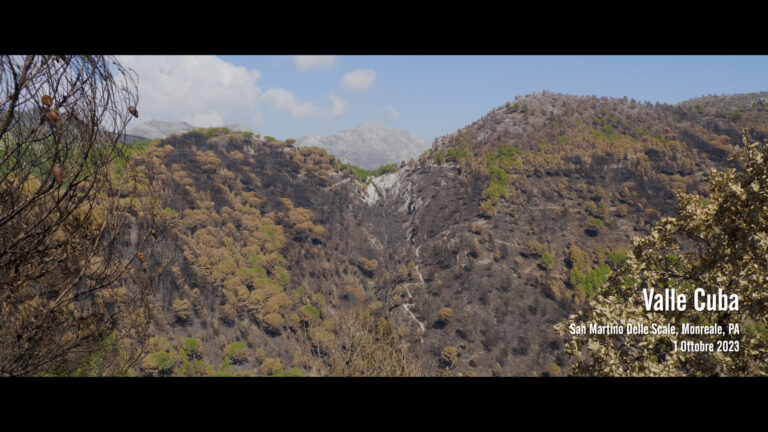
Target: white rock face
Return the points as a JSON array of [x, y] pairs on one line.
[[154, 129], [393, 185], [369, 145]]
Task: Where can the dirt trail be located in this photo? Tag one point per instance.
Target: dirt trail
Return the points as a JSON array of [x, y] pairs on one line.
[[419, 273], [406, 306]]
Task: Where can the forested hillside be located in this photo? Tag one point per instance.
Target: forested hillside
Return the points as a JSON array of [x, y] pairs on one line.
[[472, 252], [218, 253]]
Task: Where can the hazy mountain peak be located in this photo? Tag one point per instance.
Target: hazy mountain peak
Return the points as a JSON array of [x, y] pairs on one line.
[[237, 127], [154, 129], [369, 145]]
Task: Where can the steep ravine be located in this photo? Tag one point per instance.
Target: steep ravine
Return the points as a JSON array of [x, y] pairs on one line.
[[500, 323]]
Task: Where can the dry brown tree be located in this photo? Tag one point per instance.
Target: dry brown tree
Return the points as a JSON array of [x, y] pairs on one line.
[[354, 343], [70, 302]]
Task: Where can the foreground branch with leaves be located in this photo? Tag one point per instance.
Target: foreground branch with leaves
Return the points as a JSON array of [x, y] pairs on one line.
[[717, 243], [69, 303]]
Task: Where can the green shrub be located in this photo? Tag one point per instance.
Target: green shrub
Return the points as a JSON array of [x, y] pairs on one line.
[[617, 258], [605, 132], [440, 157], [164, 361], [194, 368], [236, 352], [292, 372], [577, 277], [506, 156], [497, 165], [753, 327], [226, 369], [193, 347], [499, 184], [593, 280], [311, 310], [213, 131], [459, 151], [282, 276], [364, 175], [548, 260]]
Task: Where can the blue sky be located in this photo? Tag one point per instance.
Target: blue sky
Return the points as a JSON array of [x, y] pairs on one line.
[[289, 96]]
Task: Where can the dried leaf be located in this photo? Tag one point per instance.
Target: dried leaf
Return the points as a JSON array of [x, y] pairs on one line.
[[58, 173]]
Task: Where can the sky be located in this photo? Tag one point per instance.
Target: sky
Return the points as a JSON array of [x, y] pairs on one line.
[[430, 96]]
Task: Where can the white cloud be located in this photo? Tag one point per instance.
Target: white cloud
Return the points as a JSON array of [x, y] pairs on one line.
[[258, 118], [360, 79], [202, 90], [210, 118], [284, 100], [339, 105], [392, 113], [309, 62]]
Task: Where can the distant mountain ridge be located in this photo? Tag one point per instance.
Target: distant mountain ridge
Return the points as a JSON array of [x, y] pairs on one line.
[[369, 145], [158, 129]]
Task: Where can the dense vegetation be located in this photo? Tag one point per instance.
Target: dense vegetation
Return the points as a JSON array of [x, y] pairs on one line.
[[364, 175]]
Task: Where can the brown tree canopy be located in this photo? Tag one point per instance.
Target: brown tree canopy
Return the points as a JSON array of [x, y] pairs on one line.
[[354, 343]]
